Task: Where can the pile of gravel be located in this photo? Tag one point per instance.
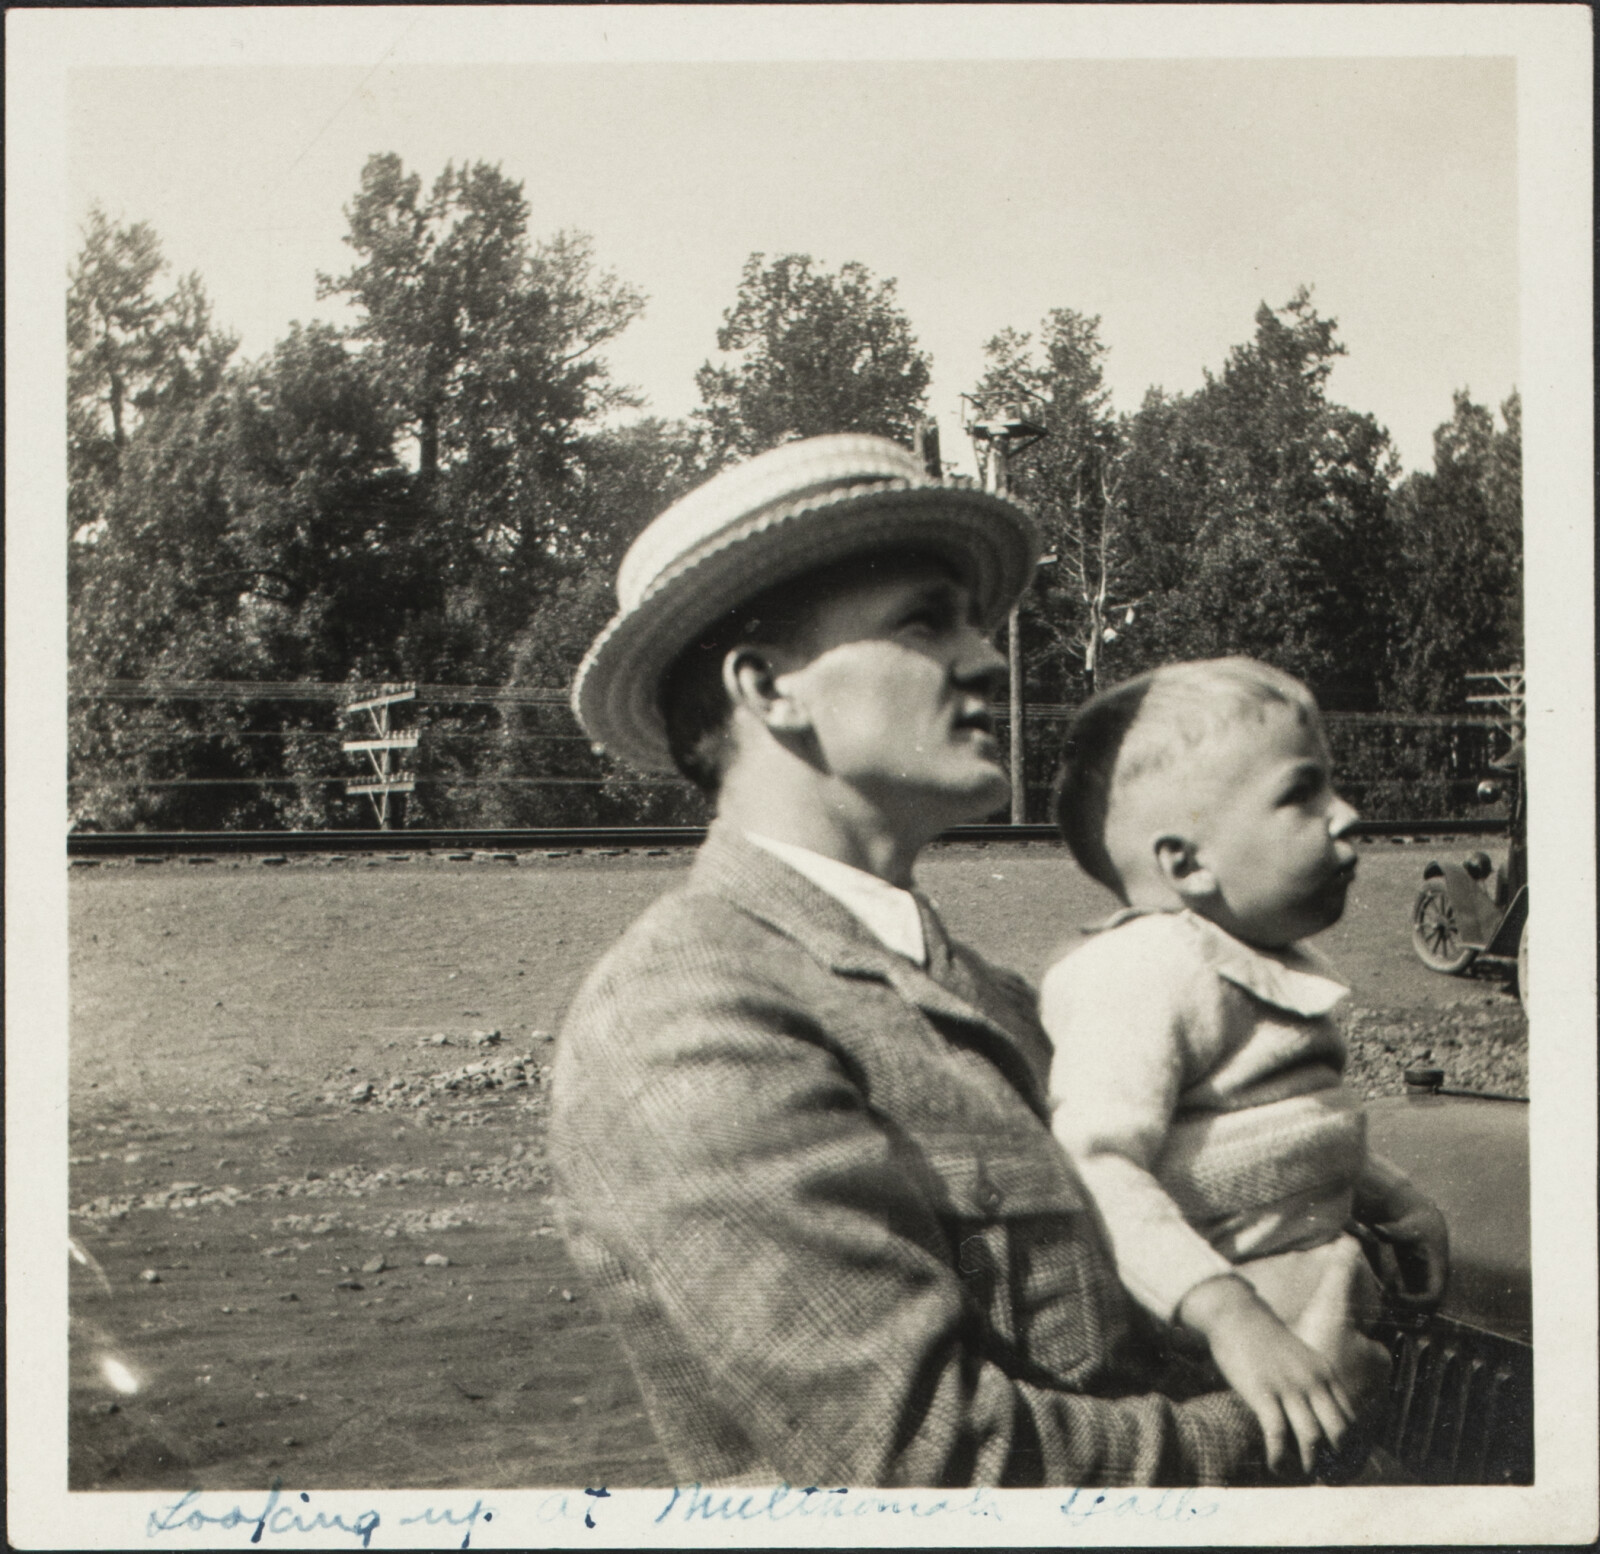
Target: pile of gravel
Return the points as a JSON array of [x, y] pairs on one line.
[[496, 1073], [1479, 1044]]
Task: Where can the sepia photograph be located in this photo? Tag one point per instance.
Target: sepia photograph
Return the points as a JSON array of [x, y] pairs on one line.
[[775, 773]]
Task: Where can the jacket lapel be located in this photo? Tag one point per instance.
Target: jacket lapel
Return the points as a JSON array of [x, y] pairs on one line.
[[731, 866]]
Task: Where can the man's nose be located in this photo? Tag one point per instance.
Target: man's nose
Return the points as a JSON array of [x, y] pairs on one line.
[[1341, 817], [980, 664]]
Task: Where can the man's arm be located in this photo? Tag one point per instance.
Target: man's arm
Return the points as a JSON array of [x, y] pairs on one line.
[[721, 1151]]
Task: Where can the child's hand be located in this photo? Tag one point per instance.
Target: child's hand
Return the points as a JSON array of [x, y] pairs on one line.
[[1420, 1240], [1290, 1387]]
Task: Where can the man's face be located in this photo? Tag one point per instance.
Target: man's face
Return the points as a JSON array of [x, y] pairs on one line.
[[1274, 830], [893, 678]]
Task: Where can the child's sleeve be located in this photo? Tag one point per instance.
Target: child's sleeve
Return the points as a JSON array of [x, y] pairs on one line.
[[1116, 1015]]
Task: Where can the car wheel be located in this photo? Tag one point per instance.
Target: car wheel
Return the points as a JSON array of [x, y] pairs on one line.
[[1435, 934]]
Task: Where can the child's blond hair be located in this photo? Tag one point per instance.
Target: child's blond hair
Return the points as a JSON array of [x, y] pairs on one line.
[[1138, 728]]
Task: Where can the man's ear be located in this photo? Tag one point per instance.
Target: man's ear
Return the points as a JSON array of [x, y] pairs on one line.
[[752, 682], [1181, 868]]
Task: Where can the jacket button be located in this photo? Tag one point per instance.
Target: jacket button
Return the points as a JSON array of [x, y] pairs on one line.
[[988, 1195]]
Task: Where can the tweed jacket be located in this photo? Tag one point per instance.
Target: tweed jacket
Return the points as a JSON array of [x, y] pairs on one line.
[[814, 1189]]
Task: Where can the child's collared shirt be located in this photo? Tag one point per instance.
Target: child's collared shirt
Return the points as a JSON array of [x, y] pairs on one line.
[[1196, 1082]]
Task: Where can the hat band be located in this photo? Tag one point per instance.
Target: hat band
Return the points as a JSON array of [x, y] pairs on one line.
[[637, 582]]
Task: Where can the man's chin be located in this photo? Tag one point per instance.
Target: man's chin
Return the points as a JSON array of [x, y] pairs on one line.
[[988, 795], [950, 802]]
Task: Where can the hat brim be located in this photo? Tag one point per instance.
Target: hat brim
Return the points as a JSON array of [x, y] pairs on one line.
[[616, 692]]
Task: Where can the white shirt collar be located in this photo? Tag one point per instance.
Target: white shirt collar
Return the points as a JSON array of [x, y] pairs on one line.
[[1294, 978], [891, 914]]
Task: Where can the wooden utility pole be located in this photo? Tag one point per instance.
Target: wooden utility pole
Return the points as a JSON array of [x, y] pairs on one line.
[[995, 439], [1019, 746]]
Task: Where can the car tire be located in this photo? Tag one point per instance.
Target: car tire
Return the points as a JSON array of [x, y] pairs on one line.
[[1435, 934]]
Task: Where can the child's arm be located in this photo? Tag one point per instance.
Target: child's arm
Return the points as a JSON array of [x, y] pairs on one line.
[[1399, 1214], [1291, 1388], [1115, 1078]]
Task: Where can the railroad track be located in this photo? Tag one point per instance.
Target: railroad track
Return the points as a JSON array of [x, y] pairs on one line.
[[123, 844]]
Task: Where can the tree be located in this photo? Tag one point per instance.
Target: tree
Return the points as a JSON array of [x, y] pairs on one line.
[[258, 523], [130, 352], [1264, 514], [486, 348], [1459, 582], [628, 475], [263, 532], [814, 352], [1071, 481]]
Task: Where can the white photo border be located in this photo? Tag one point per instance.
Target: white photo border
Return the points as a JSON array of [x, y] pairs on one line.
[[1552, 48]]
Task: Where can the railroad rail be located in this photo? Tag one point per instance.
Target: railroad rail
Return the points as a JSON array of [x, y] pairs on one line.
[[121, 844]]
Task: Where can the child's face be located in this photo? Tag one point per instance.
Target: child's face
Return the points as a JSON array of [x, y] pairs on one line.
[[1273, 834]]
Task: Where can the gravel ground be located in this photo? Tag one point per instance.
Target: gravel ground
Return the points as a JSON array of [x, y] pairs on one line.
[[313, 1231], [1477, 1043]]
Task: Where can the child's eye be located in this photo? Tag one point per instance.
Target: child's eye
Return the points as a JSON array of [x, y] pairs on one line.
[[1303, 790]]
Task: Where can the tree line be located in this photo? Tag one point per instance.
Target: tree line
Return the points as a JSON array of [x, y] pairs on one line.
[[440, 490]]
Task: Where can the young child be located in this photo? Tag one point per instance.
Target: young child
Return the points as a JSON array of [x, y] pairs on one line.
[[1196, 1079]]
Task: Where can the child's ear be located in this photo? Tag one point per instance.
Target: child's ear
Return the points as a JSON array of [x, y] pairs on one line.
[[1181, 868], [753, 683]]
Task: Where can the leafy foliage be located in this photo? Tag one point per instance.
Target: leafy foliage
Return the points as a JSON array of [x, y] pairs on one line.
[[485, 348], [1071, 480], [441, 493], [130, 354], [1458, 603], [1264, 515], [814, 352]]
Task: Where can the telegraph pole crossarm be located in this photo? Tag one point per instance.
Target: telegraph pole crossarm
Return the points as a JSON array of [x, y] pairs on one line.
[[1508, 696], [379, 749]]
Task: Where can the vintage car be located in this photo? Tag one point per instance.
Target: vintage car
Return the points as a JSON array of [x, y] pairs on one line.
[[1461, 1396], [1472, 911]]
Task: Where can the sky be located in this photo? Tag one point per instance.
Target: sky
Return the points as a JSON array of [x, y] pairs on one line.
[[1171, 197]]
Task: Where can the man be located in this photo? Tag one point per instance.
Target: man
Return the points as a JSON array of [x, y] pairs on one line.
[[800, 1135]]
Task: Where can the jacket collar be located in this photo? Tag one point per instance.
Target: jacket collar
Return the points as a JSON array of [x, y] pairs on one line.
[[733, 867], [892, 915], [1293, 979]]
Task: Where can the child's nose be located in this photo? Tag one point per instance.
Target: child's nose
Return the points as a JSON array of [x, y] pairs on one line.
[[1341, 817]]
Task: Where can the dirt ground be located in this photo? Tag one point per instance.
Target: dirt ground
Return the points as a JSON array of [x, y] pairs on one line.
[[312, 1228]]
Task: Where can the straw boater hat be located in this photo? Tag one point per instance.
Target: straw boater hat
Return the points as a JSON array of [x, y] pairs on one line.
[[784, 513]]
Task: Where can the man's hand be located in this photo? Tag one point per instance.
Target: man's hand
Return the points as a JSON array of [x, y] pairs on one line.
[[1420, 1241], [1292, 1389]]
